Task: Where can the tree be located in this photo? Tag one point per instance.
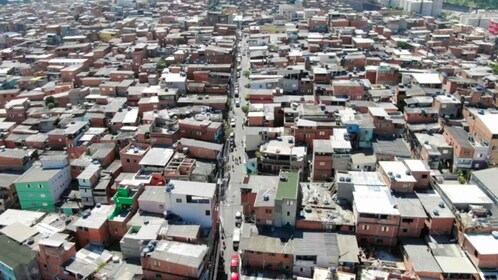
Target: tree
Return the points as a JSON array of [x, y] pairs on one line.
[[245, 109], [247, 73], [161, 64], [495, 69], [76, 17], [247, 97], [50, 102], [403, 45]]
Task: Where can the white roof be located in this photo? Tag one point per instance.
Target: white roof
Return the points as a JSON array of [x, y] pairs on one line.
[[490, 121], [157, 157], [465, 194], [97, 217], [131, 116], [19, 232], [485, 244], [378, 112], [415, 165], [398, 170], [452, 264], [25, 217], [193, 188], [427, 78], [374, 200]]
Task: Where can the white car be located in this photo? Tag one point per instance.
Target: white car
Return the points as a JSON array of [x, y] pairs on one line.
[[232, 122]]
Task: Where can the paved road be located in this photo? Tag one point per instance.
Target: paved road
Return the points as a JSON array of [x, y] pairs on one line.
[[231, 202]]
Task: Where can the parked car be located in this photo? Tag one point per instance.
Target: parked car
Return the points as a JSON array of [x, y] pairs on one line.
[[234, 263], [234, 276], [237, 103], [236, 239], [232, 122], [238, 219]]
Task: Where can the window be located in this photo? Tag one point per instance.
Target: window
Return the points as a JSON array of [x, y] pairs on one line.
[[321, 133], [127, 160], [29, 186], [365, 227], [476, 253], [156, 263], [161, 206], [272, 254], [386, 229], [286, 256], [42, 195], [178, 200], [40, 186], [288, 213], [322, 163], [268, 211], [208, 213], [424, 176], [380, 241], [407, 220], [405, 230], [290, 203]]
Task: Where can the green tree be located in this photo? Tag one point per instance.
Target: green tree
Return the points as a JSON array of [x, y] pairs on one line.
[[403, 45], [247, 73], [50, 102], [76, 17], [245, 109], [495, 69], [246, 97], [161, 64]]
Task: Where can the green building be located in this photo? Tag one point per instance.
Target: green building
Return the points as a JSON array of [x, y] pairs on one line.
[[286, 199], [16, 261], [41, 186]]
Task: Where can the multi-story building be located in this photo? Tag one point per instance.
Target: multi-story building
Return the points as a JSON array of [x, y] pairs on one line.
[[192, 201], [175, 260], [126, 204], [8, 193], [87, 181], [201, 130], [16, 261], [54, 252], [377, 217], [483, 129], [281, 154], [40, 187], [131, 155], [331, 155], [397, 176], [92, 227]]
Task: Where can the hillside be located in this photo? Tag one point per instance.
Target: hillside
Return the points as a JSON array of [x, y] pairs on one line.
[[479, 4]]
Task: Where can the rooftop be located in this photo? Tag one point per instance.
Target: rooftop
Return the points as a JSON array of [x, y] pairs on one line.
[[375, 200], [97, 217], [485, 244], [25, 217], [465, 195], [183, 254], [193, 188], [288, 188], [157, 157], [12, 254]]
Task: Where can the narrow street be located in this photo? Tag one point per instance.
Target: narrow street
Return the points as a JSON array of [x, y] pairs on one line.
[[231, 202]]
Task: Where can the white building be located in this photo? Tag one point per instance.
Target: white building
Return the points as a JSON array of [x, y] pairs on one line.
[[174, 80], [480, 18], [192, 201], [422, 7]]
